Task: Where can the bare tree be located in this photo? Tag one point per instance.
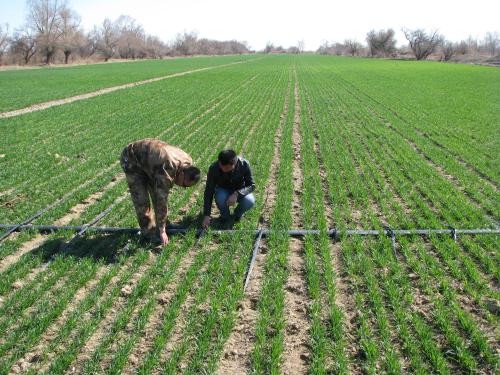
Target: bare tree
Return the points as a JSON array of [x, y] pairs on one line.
[[323, 48], [131, 38], [269, 47], [107, 39], [472, 45], [381, 43], [352, 47], [4, 39], [421, 43], [301, 46], [154, 47], [70, 32], [44, 16], [492, 43], [449, 49], [24, 44], [461, 48], [185, 43]]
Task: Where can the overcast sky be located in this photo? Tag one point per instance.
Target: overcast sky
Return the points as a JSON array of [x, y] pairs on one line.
[[284, 22]]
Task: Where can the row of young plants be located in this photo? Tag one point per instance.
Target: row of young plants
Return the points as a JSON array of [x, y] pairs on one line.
[[369, 321], [481, 192], [270, 325], [209, 327], [33, 263], [447, 103], [119, 358], [327, 341], [21, 88], [351, 132], [108, 122], [180, 352], [98, 182]]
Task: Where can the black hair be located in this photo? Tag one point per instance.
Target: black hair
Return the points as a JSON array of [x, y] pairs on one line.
[[192, 174], [227, 157]]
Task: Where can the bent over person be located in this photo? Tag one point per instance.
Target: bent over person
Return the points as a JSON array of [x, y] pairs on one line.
[[229, 180], [152, 167]]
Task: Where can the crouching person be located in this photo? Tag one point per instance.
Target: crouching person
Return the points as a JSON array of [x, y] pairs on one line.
[[152, 168], [230, 181]]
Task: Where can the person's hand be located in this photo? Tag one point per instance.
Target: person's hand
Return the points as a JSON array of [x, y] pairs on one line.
[[232, 199], [163, 238], [206, 222]]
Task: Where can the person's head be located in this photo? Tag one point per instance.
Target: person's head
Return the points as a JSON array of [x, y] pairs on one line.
[[227, 160], [188, 176]]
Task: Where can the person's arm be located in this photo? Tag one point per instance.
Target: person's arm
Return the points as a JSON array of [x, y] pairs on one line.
[[163, 181], [249, 183]]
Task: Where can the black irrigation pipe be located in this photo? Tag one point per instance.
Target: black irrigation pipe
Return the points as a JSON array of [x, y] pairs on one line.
[[86, 227], [336, 233], [254, 257], [16, 227]]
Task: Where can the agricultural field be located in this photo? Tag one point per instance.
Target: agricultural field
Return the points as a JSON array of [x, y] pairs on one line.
[[334, 142]]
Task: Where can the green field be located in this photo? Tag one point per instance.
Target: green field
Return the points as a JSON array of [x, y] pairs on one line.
[[334, 142], [21, 88]]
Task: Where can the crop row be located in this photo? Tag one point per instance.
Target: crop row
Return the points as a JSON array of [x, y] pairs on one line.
[[106, 304], [244, 117], [371, 192], [21, 88]]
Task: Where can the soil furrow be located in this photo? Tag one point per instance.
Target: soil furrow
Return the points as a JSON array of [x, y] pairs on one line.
[[297, 303], [238, 348]]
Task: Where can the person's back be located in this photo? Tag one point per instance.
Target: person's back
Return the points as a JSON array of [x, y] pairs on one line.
[[152, 167], [153, 155]]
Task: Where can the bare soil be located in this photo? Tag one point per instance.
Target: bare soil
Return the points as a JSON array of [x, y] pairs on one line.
[[296, 351]]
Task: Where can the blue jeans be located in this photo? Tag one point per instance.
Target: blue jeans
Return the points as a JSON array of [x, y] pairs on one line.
[[244, 203]]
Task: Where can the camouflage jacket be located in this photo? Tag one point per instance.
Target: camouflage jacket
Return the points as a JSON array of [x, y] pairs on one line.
[[160, 163]]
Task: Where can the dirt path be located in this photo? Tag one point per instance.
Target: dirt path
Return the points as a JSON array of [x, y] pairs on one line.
[[238, 348], [297, 303], [53, 103]]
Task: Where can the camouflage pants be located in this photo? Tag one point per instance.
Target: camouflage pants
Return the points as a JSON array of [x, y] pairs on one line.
[[143, 189]]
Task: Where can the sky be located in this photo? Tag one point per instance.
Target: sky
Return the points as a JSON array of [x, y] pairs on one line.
[[284, 22]]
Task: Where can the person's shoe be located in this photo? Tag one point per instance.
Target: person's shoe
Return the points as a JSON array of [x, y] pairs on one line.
[[237, 219]]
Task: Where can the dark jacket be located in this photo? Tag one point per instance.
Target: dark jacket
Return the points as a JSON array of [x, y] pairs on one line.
[[239, 179]]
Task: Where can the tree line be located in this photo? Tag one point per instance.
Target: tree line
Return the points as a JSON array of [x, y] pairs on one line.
[[53, 33], [421, 45]]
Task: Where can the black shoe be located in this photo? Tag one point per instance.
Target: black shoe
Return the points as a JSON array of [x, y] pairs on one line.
[[237, 219]]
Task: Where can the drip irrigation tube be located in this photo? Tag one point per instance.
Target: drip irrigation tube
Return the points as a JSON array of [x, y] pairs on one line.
[[86, 227], [293, 233], [14, 228], [254, 257]]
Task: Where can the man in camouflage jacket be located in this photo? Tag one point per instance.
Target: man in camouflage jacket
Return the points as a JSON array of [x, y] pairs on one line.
[[152, 167]]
